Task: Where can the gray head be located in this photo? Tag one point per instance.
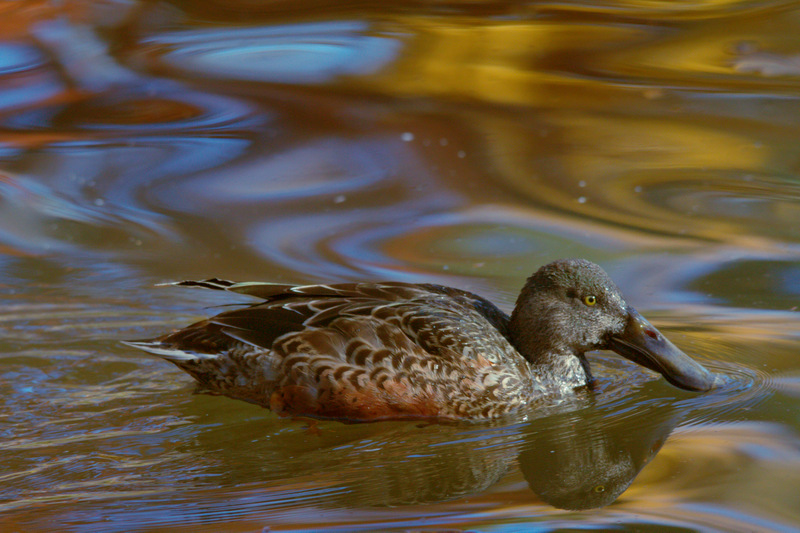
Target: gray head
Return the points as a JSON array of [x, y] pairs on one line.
[[571, 306]]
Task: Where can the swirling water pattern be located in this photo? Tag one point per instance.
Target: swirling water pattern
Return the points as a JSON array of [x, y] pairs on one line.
[[461, 143]]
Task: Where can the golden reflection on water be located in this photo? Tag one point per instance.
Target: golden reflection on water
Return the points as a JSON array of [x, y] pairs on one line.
[[480, 60]]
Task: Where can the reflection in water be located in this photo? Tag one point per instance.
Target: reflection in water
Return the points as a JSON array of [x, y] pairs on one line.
[[578, 455], [587, 459], [292, 53]]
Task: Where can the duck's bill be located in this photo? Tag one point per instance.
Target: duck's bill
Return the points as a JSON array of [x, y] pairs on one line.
[[642, 343]]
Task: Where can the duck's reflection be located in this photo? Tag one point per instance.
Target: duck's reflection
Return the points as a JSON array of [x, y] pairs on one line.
[[583, 457], [586, 459], [582, 454]]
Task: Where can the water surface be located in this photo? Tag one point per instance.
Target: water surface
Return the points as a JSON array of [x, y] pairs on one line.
[[463, 143]]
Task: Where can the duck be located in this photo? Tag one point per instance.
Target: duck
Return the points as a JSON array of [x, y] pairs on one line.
[[363, 352]]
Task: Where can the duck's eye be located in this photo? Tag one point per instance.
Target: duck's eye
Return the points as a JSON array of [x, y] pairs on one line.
[[590, 300]]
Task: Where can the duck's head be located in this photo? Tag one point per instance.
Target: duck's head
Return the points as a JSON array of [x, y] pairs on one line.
[[571, 306]]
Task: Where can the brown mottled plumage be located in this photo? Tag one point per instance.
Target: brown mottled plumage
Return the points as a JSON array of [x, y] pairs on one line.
[[369, 351]]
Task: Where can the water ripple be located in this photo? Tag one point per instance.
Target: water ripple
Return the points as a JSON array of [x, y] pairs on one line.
[[36, 219], [24, 76], [142, 113], [310, 53], [329, 168], [739, 388]]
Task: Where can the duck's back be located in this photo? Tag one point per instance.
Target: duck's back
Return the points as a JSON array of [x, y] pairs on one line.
[[361, 351]]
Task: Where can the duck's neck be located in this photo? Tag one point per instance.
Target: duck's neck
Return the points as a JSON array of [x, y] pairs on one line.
[[540, 342]]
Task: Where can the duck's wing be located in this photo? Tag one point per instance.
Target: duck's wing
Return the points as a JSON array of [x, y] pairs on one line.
[[434, 316], [285, 309]]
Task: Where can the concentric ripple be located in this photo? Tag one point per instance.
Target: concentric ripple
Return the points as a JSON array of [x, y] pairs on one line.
[[738, 387], [681, 200], [749, 205], [407, 241]]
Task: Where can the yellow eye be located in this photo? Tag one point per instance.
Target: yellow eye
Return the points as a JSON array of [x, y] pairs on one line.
[[590, 300]]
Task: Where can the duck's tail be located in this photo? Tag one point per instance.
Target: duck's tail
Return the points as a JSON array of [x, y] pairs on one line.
[[248, 378], [168, 351]]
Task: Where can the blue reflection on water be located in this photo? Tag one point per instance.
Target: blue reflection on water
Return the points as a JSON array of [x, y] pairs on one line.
[[15, 57], [790, 278], [298, 53], [17, 60], [319, 167]]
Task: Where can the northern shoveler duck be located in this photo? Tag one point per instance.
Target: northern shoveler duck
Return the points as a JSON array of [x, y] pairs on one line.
[[370, 351]]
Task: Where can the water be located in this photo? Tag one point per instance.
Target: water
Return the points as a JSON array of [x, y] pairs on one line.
[[460, 143]]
